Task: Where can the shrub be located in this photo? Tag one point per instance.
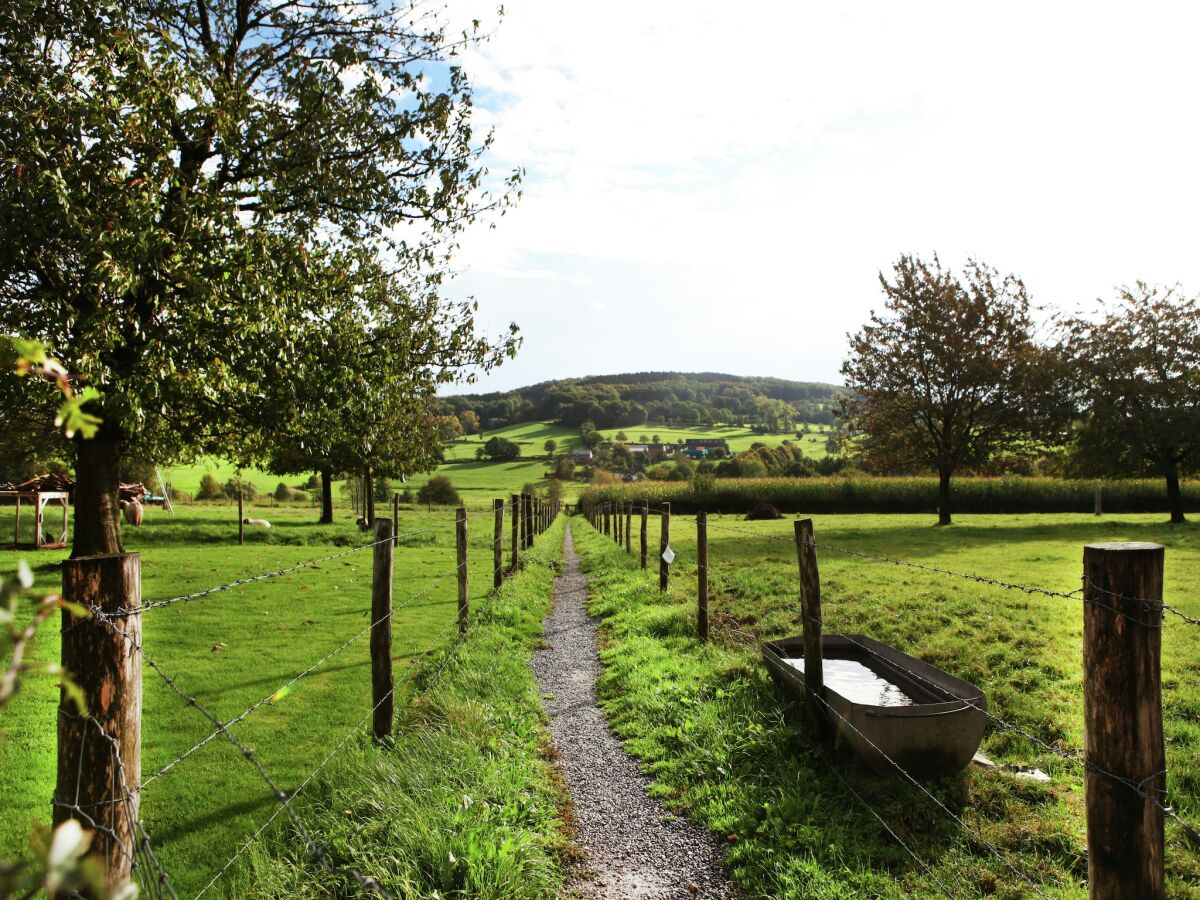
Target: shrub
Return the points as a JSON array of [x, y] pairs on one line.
[[406, 496], [283, 492], [249, 491], [210, 488], [439, 489], [761, 511], [501, 448]]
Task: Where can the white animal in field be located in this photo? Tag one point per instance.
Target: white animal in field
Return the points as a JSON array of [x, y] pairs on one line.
[[262, 523]]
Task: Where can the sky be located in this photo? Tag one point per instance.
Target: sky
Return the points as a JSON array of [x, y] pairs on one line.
[[716, 187]]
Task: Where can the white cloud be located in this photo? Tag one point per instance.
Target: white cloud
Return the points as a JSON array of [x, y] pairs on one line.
[[718, 174]]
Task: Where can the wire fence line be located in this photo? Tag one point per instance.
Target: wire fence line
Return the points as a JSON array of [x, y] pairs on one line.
[[1155, 798], [136, 849]]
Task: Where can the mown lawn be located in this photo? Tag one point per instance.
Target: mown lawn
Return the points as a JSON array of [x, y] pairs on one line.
[[233, 649], [726, 747]]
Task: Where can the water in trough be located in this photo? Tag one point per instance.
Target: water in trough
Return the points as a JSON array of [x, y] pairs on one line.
[[858, 684]]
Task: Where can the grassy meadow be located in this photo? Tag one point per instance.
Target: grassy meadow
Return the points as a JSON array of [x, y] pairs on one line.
[[725, 747], [235, 648]]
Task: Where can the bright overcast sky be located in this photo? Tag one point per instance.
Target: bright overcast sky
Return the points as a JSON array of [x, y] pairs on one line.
[[714, 187]]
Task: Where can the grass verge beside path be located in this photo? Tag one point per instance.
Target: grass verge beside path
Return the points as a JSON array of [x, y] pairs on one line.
[[462, 802], [725, 747]]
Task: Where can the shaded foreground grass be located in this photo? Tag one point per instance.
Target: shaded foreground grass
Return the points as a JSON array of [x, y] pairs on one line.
[[462, 802], [233, 649], [726, 747]]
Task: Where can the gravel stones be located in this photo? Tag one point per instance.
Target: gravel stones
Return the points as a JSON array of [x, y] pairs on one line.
[[635, 848]]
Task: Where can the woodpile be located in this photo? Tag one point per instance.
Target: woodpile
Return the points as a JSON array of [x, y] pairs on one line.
[[43, 484]]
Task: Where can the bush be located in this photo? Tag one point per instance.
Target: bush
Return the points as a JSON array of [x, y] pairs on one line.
[[439, 489], [406, 496], [283, 492], [762, 511], [210, 488], [501, 448], [249, 491]]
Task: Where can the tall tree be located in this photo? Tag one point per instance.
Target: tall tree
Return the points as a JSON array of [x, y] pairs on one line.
[[948, 374], [1137, 372], [171, 165]]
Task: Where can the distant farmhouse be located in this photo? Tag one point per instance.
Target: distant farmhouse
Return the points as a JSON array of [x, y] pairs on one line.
[[702, 448], [582, 456], [653, 451]]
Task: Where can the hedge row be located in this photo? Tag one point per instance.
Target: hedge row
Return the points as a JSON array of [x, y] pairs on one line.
[[862, 494]]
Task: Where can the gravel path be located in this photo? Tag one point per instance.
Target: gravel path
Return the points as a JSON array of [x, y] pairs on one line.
[[635, 848]]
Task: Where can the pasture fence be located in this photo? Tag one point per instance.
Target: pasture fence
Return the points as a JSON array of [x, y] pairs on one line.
[[99, 779], [1124, 758]]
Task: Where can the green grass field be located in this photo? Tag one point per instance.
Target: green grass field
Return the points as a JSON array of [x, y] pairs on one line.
[[724, 746], [235, 648], [532, 437]]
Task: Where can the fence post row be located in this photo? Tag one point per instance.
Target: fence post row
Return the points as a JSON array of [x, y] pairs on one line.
[[100, 753], [810, 613], [498, 544], [702, 575], [664, 541], [382, 684], [1123, 727], [460, 531], [645, 515]]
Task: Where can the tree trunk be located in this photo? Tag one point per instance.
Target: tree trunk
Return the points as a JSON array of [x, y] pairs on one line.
[[944, 496], [1174, 496], [97, 507], [326, 497]]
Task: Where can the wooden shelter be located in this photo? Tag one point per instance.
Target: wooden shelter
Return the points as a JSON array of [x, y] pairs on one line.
[[37, 501]]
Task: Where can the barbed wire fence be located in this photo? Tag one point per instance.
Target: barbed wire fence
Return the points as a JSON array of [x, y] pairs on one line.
[[1117, 770], [103, 648]]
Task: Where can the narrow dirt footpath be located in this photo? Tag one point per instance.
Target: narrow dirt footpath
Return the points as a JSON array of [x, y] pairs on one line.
[[635, 848]]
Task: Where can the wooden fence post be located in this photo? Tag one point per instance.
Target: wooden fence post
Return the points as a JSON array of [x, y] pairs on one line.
[[498, 544], [395, 518], [645, 515], [664, 541], [702, 576], [810, 613], [528, 520], [1123, 728], [241, 519], [515, 512], [460, 531], [382, 686], [1099, 498], [628, 527], [100, 754], [618, 509], [521, 500]]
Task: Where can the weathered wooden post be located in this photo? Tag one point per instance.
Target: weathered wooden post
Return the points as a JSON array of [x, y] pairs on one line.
[[664, 541], [645, 515], [1099, 498], [241, 518], [100, 754], [382, 686], [810, 613], [395, 518], [618, 509], [515, 512], [529, 520], [1122, 710], [521, 501], [702, 575], [628, 527], [460, 530], [498, 544], [607, 521]]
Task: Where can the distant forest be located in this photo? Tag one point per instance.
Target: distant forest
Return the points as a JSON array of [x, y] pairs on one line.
[[674, 398]]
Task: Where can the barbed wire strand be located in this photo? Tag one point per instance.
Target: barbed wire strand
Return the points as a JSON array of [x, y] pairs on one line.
[[354, 730]]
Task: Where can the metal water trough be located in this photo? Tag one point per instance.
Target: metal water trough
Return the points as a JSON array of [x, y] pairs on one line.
[[939, 732]]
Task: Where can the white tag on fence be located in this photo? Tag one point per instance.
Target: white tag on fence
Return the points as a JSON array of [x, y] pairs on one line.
[[668, 556]]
